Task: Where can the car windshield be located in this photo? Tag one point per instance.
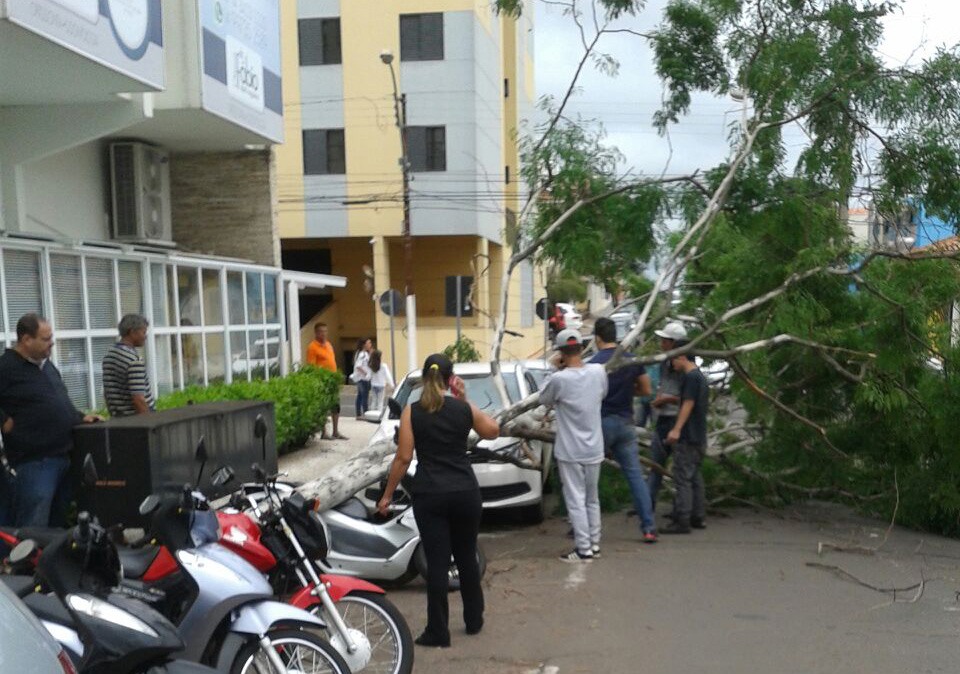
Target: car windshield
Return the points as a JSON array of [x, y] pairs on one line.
[[481, 391], [539, 376]]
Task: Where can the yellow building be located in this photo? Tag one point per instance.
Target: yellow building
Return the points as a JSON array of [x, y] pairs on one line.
[[466, 79]]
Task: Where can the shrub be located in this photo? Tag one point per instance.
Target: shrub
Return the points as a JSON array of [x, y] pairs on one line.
[[463, 351], [301, 401]]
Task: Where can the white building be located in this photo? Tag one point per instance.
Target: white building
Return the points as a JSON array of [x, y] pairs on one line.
[[136, 175]]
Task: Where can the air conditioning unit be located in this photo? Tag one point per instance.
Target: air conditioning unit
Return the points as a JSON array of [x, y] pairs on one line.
[[140, 186]]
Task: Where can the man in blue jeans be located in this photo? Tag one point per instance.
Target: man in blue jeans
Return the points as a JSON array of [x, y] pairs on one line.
[[38, 420], [619, 432]]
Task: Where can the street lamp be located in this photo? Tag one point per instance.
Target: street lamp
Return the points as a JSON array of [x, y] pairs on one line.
[[400, 113]]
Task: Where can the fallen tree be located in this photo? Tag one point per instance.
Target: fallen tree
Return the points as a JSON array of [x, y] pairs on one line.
[[829, 341]]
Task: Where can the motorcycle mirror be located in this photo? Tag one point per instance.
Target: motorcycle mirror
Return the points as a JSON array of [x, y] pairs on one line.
[[149, 505], [200, 455], [221, 476], [23, 551], [258, 472], [395, 409], [260, 427], [90, 476]]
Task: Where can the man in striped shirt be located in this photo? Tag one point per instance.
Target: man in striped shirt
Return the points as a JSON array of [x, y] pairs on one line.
[[125, 383]]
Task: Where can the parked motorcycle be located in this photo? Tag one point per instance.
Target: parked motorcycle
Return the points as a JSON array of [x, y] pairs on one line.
[[367, 629], [222, 605], [101, 629]]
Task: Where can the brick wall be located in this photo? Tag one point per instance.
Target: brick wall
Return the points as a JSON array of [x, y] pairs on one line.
[[224, 203]]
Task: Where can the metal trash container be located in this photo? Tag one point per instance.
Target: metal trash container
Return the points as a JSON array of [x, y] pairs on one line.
[[139, 455]]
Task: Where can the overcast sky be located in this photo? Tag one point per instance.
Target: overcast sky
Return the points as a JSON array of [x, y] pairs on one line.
[[625, 103]]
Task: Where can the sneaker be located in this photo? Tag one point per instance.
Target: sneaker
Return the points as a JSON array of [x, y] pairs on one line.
[[575, 557], [595, 550], [698, 524], [649, 537], [675, 528]]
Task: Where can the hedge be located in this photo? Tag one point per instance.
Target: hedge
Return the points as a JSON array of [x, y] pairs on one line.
[[302, 401]]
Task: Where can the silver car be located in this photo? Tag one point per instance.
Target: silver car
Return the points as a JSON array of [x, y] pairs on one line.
[[25, 646]]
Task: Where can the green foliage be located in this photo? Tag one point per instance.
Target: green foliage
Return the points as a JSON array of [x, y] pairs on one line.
[[301, 401], [564, 286], [581, 168], [463, 351]]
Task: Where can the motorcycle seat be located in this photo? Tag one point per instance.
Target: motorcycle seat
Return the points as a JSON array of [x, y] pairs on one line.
[[48, 607], [42, 536], [353, 507], [136, 561], [19, 585]]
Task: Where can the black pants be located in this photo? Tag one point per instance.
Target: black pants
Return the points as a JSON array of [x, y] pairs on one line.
[[449, 524]]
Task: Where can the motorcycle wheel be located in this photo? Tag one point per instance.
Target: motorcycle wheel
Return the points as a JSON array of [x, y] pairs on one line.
[[420, 559], [383, 625], [300, 651]]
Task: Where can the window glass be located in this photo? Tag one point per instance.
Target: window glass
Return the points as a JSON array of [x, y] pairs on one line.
[[101, 294], [72, 362], [165, 358], [480, 388], [192, 359], [421, 37], [254, 298], [427, 148], [319, 41], [100, 347], [256, 361], [189, 295], [324, 152], [67, 286], [235, 297], [239, 363], [158, 292], [22, 276], [270, 298], [212, 300], [131, 287], [216, 358]]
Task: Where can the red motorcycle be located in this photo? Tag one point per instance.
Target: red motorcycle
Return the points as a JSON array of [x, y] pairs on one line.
[[365, 627]]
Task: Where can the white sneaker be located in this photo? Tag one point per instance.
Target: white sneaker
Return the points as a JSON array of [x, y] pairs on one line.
[[576, 557], [595, 549]]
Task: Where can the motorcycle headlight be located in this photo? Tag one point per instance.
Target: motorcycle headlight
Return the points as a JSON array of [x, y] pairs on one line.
[[102, 610]]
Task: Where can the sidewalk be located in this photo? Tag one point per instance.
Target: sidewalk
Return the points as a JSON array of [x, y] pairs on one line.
[[319, 456]]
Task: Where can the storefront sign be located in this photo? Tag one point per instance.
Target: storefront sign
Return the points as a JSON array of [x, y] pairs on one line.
[[123, 35], [240, 47]]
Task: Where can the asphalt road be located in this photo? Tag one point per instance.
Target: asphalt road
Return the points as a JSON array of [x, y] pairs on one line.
[[738, 597]]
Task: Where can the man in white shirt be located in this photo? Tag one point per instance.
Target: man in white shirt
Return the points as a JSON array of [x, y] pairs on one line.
[[576, 392]]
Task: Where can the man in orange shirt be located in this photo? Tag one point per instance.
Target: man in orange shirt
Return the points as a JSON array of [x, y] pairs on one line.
[[320, 353]]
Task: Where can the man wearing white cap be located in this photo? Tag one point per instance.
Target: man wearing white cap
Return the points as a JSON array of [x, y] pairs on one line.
[[576, 392], [666, 405]]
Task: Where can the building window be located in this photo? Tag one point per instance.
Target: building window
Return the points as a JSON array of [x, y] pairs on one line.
[[427, 148], [324, 152], [506, 175], [452, 297], [506, 87], [319, 42], [421, 37]]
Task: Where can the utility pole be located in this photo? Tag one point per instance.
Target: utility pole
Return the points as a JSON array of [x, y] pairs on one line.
[[400, 113]]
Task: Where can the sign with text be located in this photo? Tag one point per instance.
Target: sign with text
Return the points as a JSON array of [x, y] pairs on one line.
[[240, 61], [123, 35]]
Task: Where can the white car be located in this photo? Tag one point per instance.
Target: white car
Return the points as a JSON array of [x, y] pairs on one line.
[[718, 373], [502, 485], [571, 317], [242, 362]]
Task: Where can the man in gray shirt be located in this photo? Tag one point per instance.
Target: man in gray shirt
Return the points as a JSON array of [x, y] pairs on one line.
[[665, 405], [577, 391]]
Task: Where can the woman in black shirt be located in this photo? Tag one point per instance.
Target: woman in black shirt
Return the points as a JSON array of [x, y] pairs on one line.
[[446, 496]]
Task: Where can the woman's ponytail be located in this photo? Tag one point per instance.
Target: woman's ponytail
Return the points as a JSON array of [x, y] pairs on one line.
[[437, 370]]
